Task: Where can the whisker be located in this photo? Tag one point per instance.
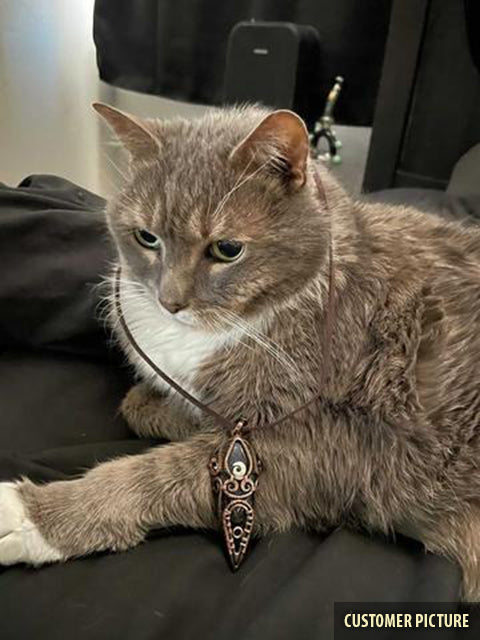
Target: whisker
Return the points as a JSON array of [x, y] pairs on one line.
[[234, 339], [116, 167], [237, 186], [273, 351], [225, 197], [269, 345]]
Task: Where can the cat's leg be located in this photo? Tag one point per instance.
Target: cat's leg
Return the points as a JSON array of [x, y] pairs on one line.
[[111, 507], [149, 413], [456, 536]]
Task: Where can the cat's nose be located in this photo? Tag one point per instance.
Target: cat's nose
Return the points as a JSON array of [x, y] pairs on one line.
[[174, 306]]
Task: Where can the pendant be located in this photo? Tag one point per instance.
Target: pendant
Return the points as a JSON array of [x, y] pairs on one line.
[[234, 471]]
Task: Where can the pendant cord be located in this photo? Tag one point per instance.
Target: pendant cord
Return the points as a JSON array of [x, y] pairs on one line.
[[134, 344], [328, 335]]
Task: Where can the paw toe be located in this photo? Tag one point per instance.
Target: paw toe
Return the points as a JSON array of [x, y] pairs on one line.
[[20, 540], [12, 511], [11, 548]]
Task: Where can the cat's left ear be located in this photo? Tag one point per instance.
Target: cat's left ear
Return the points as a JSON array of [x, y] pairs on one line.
[[131, 131], [280, 142]]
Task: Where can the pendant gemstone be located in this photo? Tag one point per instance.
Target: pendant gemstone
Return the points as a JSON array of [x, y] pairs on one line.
[[234, 471]]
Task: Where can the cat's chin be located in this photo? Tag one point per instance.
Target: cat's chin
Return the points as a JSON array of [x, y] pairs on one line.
[[187, 319]]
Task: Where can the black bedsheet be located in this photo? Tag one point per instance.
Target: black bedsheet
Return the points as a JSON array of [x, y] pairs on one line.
[[60, 386]]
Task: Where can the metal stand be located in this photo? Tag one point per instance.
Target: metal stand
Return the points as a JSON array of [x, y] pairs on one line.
[[323, 128]]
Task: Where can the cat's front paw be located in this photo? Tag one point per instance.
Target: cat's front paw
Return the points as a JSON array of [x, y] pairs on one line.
[[142, 409], [20, 540], [151, 414]]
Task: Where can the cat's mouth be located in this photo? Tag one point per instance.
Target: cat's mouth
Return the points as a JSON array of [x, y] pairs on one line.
[[184, 317]]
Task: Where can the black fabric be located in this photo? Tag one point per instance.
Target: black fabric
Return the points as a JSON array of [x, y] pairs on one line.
[[53, 246], [472, 20], [426, 116], [60, 386], [443, 121], [177, 49]]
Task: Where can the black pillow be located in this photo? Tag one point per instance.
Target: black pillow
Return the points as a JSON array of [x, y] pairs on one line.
[[54, 247]]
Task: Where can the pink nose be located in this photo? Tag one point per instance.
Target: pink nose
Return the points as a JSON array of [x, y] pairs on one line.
[[173, 306]]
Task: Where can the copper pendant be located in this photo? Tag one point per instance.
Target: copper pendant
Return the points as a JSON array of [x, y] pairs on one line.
[[234, 471]]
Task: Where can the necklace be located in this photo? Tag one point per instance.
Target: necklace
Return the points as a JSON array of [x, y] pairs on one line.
[[235, 468]]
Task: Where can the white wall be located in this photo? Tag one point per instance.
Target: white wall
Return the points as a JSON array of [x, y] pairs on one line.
[[48, 79]]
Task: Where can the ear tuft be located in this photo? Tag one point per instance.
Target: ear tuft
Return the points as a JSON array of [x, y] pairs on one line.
[[131, 131], [280, 140]]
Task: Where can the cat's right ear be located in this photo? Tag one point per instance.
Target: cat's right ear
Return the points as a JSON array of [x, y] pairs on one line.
[[279, 143], [132, 133]]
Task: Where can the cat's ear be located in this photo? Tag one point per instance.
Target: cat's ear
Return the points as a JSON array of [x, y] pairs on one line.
[[280, 142], [132, 133]]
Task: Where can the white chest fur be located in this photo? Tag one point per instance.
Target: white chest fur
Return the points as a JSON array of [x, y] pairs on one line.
[[176, 348]]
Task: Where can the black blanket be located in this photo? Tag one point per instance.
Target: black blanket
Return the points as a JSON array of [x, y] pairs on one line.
[[60, 386]]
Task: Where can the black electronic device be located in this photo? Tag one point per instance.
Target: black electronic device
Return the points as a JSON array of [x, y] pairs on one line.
[[277, 64]]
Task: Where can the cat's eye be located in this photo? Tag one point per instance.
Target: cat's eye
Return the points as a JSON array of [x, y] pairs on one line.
[[147, 239], [226, 250]]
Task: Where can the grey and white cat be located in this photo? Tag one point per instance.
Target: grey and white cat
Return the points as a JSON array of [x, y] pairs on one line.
[[223, 244]]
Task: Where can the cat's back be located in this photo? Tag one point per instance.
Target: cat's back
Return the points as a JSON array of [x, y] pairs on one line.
[[408, 234], [431, 270], [418, 250]]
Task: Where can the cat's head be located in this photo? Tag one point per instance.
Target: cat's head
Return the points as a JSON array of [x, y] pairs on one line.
[[220, 213]]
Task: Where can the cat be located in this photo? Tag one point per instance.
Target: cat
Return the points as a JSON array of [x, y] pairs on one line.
[[224, 245]]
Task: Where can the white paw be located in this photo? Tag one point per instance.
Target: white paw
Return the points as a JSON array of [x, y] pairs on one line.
[[20, 540]]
